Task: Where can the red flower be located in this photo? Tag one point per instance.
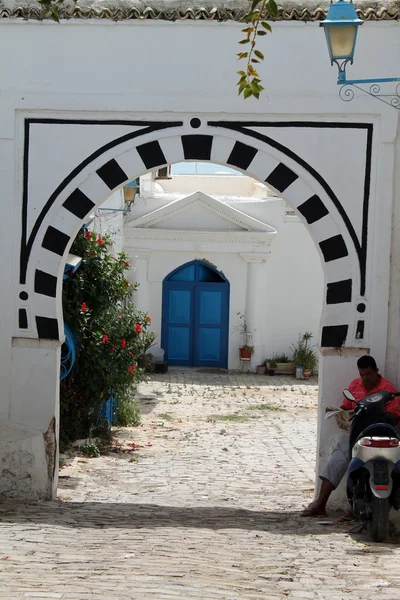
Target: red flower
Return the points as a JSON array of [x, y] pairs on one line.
[[112, 348], [99, 240], [148, 318], [104, 339], [123, 343], [127, 264], [138, 328], [88, 234], [83, 306], [131, 368], [127, 284]]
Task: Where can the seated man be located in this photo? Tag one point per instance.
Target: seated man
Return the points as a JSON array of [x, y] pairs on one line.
[[369, 381]]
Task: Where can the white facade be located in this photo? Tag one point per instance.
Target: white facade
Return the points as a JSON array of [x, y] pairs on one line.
[[83, 120], [278, 288]]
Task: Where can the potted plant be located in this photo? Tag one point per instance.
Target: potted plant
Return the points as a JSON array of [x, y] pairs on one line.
[[246, 346], [271, 365], [285, 365], [303, 354], [261, 369]]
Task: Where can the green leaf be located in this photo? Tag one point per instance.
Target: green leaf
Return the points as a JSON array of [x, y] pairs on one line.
[[254, 4], [248, 92], [260, 33], [242, 55], [259, 54], [241, 88], [272, 8], [241, 73], [254, 60], [244, 41], [248, 29], [266, 26]]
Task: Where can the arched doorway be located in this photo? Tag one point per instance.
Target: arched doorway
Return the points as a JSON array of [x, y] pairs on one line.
[[195, 318], [49, 223]]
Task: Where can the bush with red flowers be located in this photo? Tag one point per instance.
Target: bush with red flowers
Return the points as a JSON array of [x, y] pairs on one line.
[[111, 335]]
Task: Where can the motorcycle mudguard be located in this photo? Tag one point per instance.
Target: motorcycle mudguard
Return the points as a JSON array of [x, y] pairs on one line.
[[355, 465]]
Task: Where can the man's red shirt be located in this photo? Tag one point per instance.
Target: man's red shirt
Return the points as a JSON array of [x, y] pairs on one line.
[[359, 392]]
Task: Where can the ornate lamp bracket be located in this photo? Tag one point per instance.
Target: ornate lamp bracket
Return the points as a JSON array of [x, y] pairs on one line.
[[372, 87]]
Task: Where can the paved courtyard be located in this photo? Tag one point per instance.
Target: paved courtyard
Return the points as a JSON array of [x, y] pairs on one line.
[[200, 502]]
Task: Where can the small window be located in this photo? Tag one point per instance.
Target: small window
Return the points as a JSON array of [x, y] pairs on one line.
[[163, 173]]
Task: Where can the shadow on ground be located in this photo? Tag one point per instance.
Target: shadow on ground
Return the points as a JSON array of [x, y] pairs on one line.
[[99, 515]]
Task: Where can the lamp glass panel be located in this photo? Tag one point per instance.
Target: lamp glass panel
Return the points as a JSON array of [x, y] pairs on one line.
[[342, 40]]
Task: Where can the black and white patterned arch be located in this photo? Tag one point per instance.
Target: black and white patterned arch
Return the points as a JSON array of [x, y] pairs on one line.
[[43, 256]]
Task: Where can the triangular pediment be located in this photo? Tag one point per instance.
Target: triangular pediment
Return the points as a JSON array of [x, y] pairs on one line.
[[200, 212]]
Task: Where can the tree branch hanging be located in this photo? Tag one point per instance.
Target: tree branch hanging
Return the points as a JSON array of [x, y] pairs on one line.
[[250, 82]]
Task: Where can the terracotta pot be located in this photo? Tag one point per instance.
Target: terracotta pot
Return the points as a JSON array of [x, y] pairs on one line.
[[245, 353], [307, 372], [261, 369]]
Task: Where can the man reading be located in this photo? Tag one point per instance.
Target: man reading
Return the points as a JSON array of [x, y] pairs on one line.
[[369, 381]]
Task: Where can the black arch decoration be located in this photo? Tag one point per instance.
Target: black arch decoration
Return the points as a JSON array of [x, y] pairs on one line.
[[196, 147]]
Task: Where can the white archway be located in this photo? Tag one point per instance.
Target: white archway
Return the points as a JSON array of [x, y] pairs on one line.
[[242, 145], [342, 257]]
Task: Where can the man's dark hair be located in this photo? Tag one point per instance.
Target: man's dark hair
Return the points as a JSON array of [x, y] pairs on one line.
[[366, 362]]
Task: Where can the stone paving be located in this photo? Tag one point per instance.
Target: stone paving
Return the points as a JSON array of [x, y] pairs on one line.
[[200, 502]]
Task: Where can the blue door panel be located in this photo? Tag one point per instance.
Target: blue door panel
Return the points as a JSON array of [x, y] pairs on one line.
[[195, 320], [210, 307], [178, 343], [211, 323], [177, 322], [209, 344], [180, 306]]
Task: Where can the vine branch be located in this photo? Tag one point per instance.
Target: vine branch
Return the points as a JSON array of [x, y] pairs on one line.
[[250, 82]]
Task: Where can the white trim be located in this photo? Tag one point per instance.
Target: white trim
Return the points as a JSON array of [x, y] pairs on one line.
[[220, 208], [254, 257], [212, 241]]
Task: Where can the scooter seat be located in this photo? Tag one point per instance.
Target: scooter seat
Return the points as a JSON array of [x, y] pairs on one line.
[[379, 430]]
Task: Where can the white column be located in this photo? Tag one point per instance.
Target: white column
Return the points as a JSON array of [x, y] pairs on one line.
[[256, 301], [337, 368], [139, 274]]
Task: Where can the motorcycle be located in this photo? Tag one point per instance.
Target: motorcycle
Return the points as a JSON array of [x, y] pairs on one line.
[[373, 484]]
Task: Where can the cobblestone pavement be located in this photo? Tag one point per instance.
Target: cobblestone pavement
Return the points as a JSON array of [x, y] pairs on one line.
[[205, 506]]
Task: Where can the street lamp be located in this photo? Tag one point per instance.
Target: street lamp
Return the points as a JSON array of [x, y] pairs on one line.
[[341, 29]]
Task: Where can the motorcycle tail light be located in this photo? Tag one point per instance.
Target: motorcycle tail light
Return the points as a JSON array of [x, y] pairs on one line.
[[380, 442]]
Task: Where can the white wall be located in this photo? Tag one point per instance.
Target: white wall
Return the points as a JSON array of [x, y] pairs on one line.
[[170, 61], [110, 219], [228, 185], [189, 70], [294, 280], [290, 286]]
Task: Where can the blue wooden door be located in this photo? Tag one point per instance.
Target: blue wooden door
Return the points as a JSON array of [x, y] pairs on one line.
[[195, 319]]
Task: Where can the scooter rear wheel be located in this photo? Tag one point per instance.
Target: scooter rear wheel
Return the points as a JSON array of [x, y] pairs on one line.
[[379, 522]]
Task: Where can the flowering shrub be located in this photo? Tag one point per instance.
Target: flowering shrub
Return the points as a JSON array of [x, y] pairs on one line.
[[111, 335]]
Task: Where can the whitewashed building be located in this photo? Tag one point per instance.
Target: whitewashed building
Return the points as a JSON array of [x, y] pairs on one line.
[[219, 245], [116, 91]]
